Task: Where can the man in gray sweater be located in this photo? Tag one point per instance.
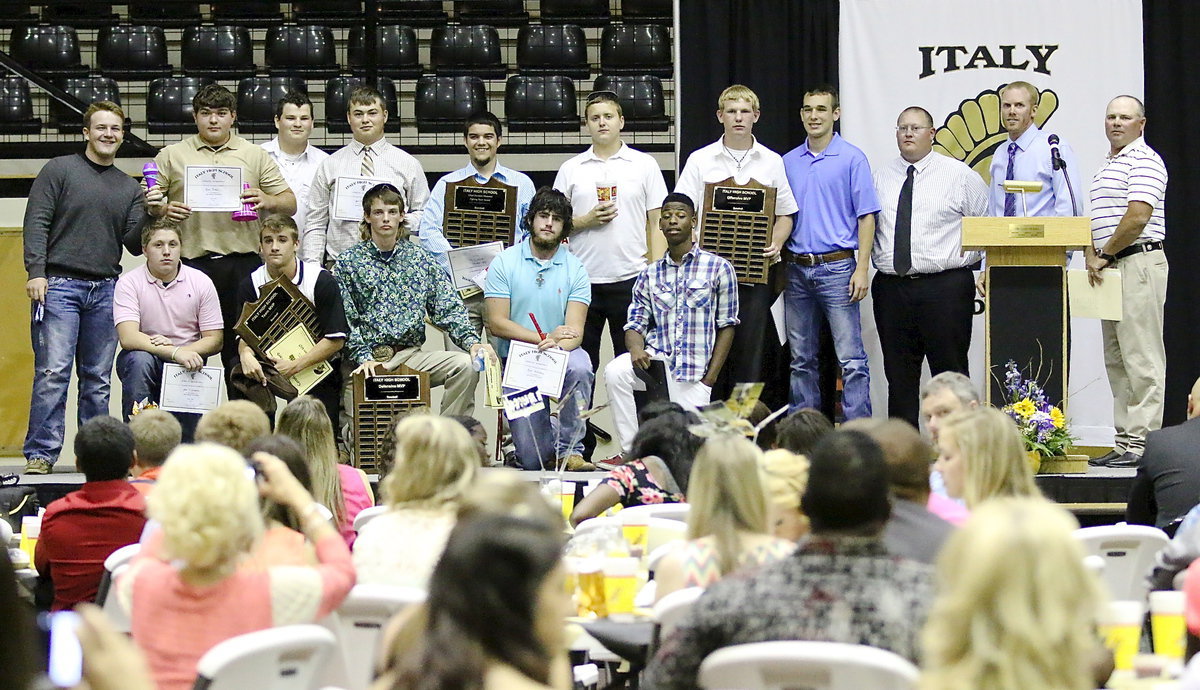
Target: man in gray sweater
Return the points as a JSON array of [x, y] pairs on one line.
[[80, 207]]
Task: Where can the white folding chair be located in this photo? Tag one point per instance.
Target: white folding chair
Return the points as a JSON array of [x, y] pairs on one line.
[[121, 556], [366, 515], [669, 511], [1128, 552], [359, 624], [808, 665], [660, 531], [671, 609], [283, 658], [117, 562], [596, 523]]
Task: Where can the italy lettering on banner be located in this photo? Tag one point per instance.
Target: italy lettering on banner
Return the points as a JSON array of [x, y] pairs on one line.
[[952, 58]]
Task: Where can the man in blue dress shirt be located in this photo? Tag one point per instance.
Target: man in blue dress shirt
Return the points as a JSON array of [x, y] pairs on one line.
[[828, 252]]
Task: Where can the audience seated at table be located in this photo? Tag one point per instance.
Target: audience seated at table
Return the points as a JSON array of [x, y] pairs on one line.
[[1016, 608], [785, 474], [84, 527], [233, 424], [434, 462], [283, 541], [663, 450], [981, 456], [800, 430], [342, 489], [201, 592], [727, 523], [155, 435]]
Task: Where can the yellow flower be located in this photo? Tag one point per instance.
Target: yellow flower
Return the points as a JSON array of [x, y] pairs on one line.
[[1056, 416], [1025, 408]]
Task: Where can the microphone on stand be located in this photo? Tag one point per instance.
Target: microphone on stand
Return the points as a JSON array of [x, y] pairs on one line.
[[1057, 163]]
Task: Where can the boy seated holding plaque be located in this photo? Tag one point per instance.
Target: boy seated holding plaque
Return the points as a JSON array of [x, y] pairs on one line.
[[538, 293], [684, 309], [165, 312], [279, 240]]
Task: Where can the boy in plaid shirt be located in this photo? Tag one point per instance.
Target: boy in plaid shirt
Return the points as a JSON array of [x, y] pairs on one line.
[[684, 309]]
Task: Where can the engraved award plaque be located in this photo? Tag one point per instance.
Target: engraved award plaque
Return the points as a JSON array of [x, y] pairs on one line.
[[480, 213], [736, 225], [377, 401], [282, 324]]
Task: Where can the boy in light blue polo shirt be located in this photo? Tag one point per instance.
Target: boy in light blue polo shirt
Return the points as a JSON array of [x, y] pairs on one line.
[[541, 277]]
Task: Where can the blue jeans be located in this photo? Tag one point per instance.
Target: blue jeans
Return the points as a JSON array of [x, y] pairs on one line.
[[141, 379], [813, 291], [76, 328], [531, 439]]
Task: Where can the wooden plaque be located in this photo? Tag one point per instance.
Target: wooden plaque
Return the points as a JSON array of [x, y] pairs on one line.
[[279, 309], [479, 213], [377, 401], [736, 225]]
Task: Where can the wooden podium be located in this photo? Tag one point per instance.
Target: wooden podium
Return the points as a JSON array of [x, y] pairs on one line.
[[1025, 309]]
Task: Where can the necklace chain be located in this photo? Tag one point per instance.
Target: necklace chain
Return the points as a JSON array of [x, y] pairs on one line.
[[737, 161]]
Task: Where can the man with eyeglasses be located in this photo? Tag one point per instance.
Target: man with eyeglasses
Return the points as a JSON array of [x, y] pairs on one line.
[[924, 291]]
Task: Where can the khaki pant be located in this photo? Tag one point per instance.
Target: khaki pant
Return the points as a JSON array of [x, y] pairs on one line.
[[474, 305], [1134, 354]]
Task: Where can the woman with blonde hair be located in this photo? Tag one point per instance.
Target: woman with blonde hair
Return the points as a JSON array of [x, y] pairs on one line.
[[1016, 608], [344, 490], [434, 462], [786, 475], [200, 592], [727, 523], [981, 455]]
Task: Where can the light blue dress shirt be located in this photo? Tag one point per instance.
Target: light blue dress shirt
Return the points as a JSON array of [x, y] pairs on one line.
[[1032, 164]]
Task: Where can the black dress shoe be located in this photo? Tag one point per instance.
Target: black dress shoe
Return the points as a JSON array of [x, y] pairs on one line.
[[1126, 460], [1103, 460]]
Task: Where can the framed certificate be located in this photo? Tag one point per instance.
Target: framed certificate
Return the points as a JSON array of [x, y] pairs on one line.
[[736, 226], [212, 188], [528, 367], [468, 266], [196, 392], [348, 193]]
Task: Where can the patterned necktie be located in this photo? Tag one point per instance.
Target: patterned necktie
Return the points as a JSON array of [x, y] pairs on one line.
[[368, 165], [1010, 198], [902, 256]]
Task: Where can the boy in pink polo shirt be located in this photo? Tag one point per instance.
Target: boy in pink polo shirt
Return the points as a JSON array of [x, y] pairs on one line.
[[164, 312]]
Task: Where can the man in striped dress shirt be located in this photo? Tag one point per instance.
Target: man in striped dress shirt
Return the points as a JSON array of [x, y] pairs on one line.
[[1128, 228], [924, 291], [684, 310]]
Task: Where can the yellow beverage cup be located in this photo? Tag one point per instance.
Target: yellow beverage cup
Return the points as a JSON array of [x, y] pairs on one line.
[[591, 589], [567, 494], [1167, 624], [635, 534], [1121, 625], [620, 584], [31, 529]]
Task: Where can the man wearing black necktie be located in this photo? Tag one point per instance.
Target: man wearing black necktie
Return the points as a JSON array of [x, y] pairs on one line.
[[923, 291]]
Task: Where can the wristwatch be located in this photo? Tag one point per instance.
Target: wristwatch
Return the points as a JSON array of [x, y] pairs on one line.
[[1108, 258]]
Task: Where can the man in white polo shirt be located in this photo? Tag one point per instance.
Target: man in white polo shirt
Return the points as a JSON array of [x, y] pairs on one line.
[[1128, 228], [164, 312], [609, 237], [297, 159]]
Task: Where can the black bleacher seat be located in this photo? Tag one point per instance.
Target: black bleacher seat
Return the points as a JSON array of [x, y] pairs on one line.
[[413, 12], [579, 12], [164, 13], [18, 14], [649, 11], [466, 51], [541, 103], [328, 12], [247, 13], [88, 90], [16, 107], [256, 99], [443, 103], [636, 49], [395, 51], [86, 14], [337, 98], [302, 51], [493, 12], [220, 52], [132, 52], [642, 101], [169, 104], [553, 49], [48, 50]]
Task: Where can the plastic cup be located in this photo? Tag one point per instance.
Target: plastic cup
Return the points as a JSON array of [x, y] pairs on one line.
[[635, 533], [606, 191], [1167, 624], [591, 588], [566, 492], [1121, 626], [620, 584], [31, 529]]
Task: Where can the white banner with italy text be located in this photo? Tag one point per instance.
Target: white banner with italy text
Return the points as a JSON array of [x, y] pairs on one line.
[[952, 57]]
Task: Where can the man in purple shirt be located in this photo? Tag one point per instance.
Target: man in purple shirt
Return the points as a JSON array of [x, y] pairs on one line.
[[828, 252]]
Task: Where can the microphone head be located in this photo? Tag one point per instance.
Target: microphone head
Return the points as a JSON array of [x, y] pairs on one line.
[[1052, 140]]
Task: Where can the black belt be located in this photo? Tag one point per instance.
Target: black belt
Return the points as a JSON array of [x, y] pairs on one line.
[[917, 276], [814, 259], [1132, 249]]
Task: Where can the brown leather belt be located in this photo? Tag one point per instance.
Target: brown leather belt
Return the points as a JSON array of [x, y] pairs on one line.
[[814, 259]]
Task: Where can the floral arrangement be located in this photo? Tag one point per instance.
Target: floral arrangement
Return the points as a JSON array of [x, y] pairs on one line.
[[1043, 426]]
